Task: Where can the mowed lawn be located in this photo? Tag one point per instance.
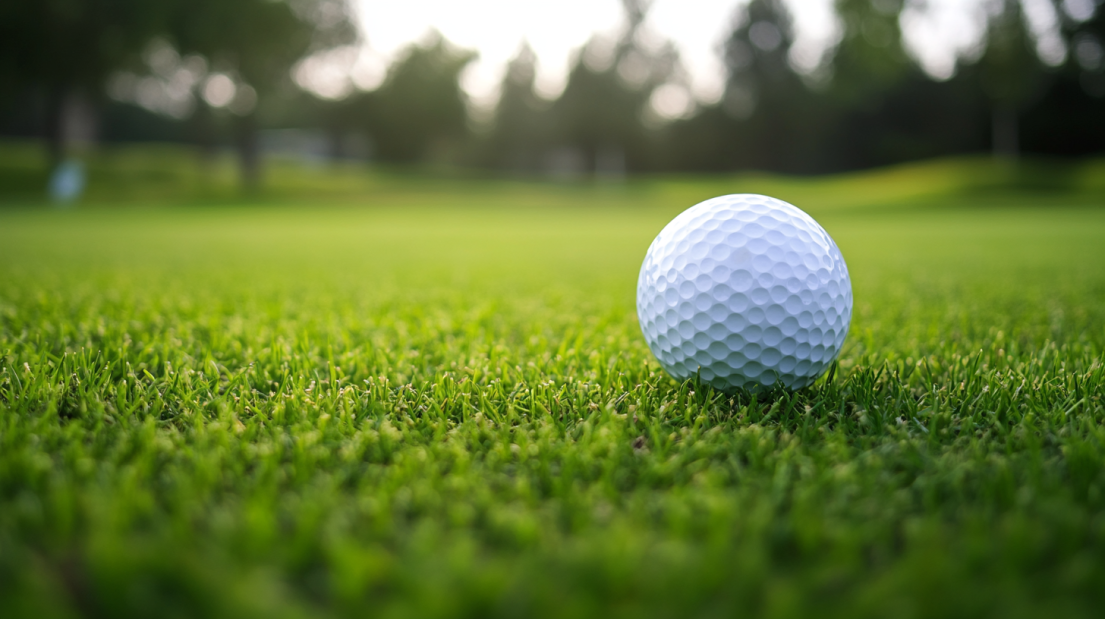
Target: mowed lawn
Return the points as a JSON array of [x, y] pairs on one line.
[[435, 401]]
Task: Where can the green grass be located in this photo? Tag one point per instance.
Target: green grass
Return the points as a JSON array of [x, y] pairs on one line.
[[430, 398]]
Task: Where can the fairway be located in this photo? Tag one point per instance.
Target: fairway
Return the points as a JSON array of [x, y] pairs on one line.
[[435, 401]]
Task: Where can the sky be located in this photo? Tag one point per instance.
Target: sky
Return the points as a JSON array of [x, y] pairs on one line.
[[555, 29]]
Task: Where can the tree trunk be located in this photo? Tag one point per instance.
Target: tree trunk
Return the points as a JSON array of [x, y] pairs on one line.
[[249, 153], [1006, 132], [590, 160], [55, 125], [336, 144], [205, 135]]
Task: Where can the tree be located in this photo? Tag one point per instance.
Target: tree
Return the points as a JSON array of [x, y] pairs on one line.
[[1010, 73], [598, 114], [420, 103], [760, 119], [66, 48], [869, 60], [601, 108], [778, 122], [1084, 26], [520, 118], [881, 106], [1066, 120], [257, 41]]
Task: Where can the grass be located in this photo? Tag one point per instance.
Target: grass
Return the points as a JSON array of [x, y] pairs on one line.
[[430, 398]]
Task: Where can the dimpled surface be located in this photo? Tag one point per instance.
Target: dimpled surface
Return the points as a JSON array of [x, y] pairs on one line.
[[744, 291]]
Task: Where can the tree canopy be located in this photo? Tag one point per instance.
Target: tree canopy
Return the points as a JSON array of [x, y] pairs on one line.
[[869, 101]]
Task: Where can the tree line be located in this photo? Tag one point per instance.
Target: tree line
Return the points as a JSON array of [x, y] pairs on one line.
[[56, 52], [869, 102]]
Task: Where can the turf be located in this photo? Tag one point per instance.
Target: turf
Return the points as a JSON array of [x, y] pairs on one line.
[[431, 398]]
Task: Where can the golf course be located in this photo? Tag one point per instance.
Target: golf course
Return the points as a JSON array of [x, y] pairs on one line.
[[401, 394]]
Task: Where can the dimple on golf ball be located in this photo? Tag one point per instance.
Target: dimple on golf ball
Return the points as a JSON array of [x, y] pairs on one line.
[[744, 292]]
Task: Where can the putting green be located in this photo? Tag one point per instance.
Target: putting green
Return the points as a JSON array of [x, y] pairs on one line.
[[431, 399]]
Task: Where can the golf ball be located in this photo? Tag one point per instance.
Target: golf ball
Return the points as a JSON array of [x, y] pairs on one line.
[[744, 291]]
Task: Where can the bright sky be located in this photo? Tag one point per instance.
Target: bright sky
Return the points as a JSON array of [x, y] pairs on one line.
[[556, 28]]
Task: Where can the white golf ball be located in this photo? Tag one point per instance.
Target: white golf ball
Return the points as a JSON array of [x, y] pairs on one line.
[[744, 291]]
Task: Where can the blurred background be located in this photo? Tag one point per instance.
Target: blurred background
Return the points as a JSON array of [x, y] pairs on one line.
[[565, 90]]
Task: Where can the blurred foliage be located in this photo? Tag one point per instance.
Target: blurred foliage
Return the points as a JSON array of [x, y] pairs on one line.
[[870, 104], [1009, 68], [258, 41], [870, 58], [73, 43], [598, 112], [867, 102], [519, 132], [1062, 118], [770, 118], [420, 105], [1010, 73], [600, 119], [66, 49], [60, 47], [604, 101]]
